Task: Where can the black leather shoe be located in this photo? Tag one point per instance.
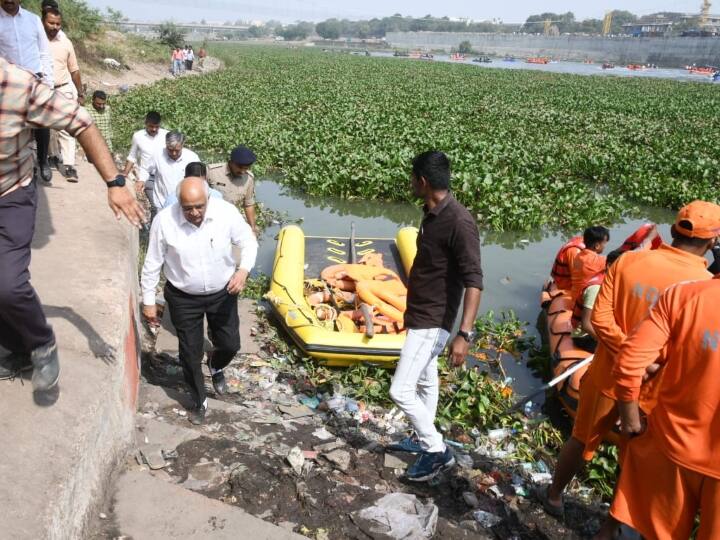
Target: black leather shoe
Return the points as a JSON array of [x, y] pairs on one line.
[[46, 364], [71, 174], [13, 364], [219, 383], [45, 172], [197, 416]]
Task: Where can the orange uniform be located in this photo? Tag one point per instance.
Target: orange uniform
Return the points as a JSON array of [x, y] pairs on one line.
[[564, 262], [586, 265], [631, 287], [673, 470]]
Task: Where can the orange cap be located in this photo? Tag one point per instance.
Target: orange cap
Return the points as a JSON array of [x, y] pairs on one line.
[[699, 219]]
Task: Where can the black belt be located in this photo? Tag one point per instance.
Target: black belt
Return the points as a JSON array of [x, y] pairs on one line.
[[61, 85]]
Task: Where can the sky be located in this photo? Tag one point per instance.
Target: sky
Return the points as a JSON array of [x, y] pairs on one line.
[[316, 10]]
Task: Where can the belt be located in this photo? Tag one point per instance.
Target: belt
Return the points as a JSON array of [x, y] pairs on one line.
[[61, 85]]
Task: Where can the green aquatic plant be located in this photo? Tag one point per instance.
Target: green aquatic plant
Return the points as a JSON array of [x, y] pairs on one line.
[[528, 149]]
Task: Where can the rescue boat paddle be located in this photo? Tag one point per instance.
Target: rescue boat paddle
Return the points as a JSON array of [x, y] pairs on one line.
[[551, 384]]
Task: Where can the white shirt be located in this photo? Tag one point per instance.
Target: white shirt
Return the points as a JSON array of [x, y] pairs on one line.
[[197, 260], [23, 42], [168, 173], [143, 148], [190, 55]]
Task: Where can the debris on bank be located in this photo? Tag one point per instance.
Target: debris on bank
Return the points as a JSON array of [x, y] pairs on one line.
[[295, 446]]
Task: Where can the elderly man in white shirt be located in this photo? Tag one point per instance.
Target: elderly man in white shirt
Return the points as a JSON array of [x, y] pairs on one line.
[[23, 42], [146, 143], [168, 167], [192, 241]]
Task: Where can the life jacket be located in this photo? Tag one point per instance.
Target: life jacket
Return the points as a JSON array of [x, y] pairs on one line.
[[578, 307], [635, 240], [561, 267], [586, 264]]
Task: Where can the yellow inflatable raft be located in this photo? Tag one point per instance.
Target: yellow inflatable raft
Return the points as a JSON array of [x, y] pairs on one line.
[[299, 261]]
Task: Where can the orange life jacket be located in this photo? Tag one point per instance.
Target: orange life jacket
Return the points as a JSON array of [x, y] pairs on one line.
[[561, 268], [585, 265], [636, 239], [578, 307]]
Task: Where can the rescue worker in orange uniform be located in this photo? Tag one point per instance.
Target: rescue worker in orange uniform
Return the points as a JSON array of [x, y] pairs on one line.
[[589, 262], [672, 471], [631, 287]]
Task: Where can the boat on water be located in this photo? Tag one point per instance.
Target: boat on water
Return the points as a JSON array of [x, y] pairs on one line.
[[457, 57], [482, 60], [566, 351], [636, 67], [427, 56], [538, 60], [509, 59], [342, 299], [608, 65], [702, 70], [403, 54]]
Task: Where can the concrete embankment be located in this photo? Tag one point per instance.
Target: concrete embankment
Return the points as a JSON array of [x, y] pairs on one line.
[[59, 453], [666, 52]]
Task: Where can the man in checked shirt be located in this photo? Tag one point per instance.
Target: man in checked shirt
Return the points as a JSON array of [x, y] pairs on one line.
[[27, 103]]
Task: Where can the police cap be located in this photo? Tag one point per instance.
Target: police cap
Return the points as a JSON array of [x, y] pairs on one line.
[[242, 155]]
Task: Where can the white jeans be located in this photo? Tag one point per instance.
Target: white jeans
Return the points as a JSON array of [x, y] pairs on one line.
[[415, 386]]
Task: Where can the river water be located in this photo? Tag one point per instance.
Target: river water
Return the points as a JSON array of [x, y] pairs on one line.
[[576, 68], [515, 265]]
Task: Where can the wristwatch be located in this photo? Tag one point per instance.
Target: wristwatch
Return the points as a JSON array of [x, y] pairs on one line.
[[118, 181], [467, 336]]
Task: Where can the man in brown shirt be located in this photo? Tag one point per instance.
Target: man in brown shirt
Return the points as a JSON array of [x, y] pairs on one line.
[[447, 263], [26, 103], [68, 82]]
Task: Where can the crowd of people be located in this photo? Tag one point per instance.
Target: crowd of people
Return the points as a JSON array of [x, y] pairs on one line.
[[182, 59], [650, 321], [646, 311]]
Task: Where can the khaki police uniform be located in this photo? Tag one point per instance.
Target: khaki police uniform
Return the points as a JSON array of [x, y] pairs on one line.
[[235, 189]]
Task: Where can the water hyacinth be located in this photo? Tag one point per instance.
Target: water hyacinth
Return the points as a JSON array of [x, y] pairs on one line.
[[529, 149]]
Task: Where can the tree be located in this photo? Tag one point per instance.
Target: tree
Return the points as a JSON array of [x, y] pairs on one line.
[[329, 29], [296, 32], [465, 47], [115, 16], [170, 35], [258, 31]]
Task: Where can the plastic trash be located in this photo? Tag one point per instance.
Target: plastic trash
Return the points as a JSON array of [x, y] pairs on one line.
[[351, 406], [499, 434], [312, 402], [398, 516], [486, 519]]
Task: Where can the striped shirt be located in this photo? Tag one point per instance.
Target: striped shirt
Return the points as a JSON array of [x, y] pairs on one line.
[[102, 121], [25, 103]]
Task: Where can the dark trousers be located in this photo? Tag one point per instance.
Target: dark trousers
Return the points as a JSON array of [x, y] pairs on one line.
[[188, 313], [23, 326], [42, 141]]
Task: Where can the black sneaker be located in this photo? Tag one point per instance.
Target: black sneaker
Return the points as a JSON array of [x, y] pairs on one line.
[[46, 364], [197, 415], [13, 364], [219, 384], [71, 174], [429, 465]]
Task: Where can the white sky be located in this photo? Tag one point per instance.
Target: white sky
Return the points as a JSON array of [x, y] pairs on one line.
[[316, 10]]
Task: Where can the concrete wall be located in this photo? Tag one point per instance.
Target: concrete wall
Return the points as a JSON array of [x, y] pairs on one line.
[[59, 452], [667, 52]]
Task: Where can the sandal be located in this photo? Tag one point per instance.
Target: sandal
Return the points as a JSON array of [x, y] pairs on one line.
[[541, 493]]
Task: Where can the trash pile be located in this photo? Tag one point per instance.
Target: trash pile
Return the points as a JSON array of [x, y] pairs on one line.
[[310, 457]]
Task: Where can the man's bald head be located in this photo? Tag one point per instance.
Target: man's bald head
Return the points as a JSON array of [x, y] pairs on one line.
[[192, 194]]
